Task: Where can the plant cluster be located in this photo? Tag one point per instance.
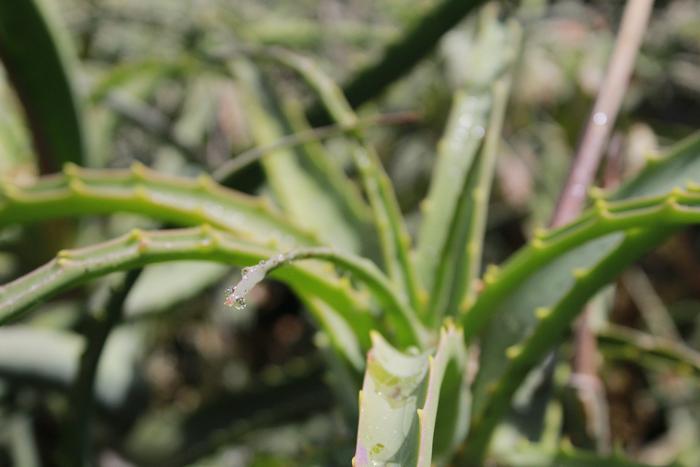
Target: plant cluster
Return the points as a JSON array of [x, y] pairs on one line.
[[454, 363]]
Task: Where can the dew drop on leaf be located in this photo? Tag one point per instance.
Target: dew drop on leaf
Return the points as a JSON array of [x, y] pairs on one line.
[[239, 303], [234, 299]]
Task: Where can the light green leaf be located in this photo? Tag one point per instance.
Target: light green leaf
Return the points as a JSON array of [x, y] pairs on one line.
[[451, 233], [141, 190], [413, 407], [138, 248], [301, 190], [534, 303], [393, 235], [400, 320], [393, 391]]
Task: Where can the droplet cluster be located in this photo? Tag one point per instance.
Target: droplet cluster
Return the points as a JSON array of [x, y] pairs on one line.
[[235, 300], [250, 277]]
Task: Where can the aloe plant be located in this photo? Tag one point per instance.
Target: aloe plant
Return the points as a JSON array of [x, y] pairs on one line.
[[434, 348]]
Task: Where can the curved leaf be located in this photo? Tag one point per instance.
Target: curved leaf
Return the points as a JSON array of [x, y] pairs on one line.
[[393, 235], [303, 192], [141, 190], [37, 59], [413, 407], [401, 319], [527, 294], [451, 233], [393, 390], [138, 248]]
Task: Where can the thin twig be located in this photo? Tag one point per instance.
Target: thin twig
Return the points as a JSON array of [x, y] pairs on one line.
[[248, 157], [581, 176], [605, 110]]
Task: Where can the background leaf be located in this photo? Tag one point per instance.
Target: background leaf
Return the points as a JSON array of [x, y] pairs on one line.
[[37, 58]]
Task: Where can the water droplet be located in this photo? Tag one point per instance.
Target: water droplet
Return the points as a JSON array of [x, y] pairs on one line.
[[228, 291], [245, 271], [479, 131], [239, 303], [600, 119], [236, 301]]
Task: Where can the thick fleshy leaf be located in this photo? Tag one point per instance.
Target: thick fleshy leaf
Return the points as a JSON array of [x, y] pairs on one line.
[[451, 232], [532, 303], [138, 248], [393, 391], [413, 407], [140, 190]]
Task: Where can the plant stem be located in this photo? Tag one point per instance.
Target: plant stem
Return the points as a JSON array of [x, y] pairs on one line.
[[605, 110], [572, 199]]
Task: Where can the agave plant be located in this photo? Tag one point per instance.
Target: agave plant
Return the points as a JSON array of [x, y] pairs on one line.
[[436, 349]]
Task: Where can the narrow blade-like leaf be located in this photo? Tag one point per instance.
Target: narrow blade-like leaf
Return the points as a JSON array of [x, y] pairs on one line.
[[304, 193], [523, 307], [393, 236], [37, 58]]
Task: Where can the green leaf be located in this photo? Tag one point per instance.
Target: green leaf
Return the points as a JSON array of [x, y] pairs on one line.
[[393, 235], [445, 413], [620, 343], [452, 230], [551, 324], [393, 390], [413, 407], [680, 167], [303, 191], [321, 161], [516, 309], [138, 248], [456, 153], [143, 191], [403, 324], [38, 59], [403, 54]]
